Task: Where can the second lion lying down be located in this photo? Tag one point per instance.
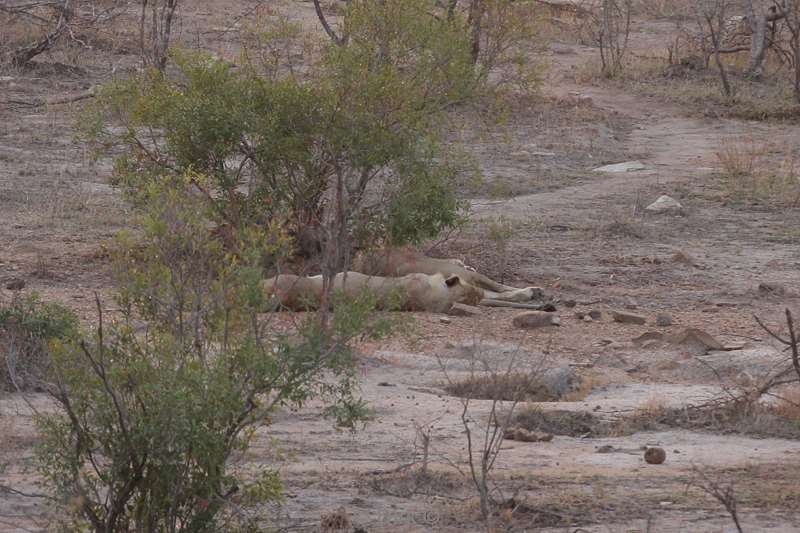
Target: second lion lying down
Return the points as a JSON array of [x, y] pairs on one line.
[[403, 279]]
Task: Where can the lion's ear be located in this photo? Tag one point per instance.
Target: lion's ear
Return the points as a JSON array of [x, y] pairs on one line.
[[452, 281]]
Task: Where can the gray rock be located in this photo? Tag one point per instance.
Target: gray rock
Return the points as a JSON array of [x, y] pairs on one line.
[[628, 318], [561, 381], [663, 320], [649, 337], [536, 319], [595, 314], [15, 284], [627, 166], [665, 204]]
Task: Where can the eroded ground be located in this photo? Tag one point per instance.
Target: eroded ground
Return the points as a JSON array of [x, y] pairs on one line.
[[582, 235]]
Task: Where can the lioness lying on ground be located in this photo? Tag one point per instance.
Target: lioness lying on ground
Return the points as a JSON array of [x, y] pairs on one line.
[[414, 292], [393, 262]]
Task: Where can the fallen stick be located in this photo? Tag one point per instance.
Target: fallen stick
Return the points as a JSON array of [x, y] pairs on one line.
[[491, 302], [89, 93]]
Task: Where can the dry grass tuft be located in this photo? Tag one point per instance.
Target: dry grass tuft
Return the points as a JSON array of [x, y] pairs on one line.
[[743, 418], [759, 172], [337, 520], [515, 386]]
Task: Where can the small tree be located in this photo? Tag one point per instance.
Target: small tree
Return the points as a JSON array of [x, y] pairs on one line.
[[150, 420], [610, 30], [715, 17], [155, 35], [350, 149]]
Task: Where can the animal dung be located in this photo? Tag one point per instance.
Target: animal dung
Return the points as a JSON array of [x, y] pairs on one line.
[[655, 455]]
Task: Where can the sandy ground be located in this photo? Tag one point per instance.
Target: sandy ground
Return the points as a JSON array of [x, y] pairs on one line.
[[581, 235]]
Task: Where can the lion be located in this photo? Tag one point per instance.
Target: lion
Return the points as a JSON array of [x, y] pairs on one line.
[[393, 262], [413, 292]]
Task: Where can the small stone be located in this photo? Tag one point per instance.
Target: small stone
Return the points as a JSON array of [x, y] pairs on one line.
[[570, 303], [561, 381], [628, 318], [580, 315], [650, 336], [16, 284], [627, 166], [587, 318], [595, 314], [631, 307], [459, 309], [605, 448], [663, 320], [536, 319], [665, 204], [655, 455], [445, 320]]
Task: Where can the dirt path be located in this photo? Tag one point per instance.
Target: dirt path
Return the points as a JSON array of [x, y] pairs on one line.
[[675, 147]]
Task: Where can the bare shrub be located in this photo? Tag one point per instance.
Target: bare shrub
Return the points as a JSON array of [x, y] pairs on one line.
[[789, 10], [500, 231], [725, 494], [40, 25], [28, 29], [610, 30], [506, 388]]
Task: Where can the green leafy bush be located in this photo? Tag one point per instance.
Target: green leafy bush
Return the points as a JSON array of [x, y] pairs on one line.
[[157, 405], [27, 325], [338, 147]]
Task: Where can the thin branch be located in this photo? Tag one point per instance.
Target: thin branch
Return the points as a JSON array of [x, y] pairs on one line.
[[327, 27]]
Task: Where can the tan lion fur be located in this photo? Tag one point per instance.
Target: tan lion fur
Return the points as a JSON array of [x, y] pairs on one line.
[[412, 292], [392, 262]]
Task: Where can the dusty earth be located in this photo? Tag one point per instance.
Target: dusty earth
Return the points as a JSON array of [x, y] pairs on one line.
[[582, 235]]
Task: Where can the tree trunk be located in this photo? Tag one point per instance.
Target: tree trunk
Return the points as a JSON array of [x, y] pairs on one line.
[[715, 41], [758, 44], [327, 27], [475, 19]]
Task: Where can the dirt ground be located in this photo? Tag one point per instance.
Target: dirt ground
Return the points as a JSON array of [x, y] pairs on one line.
[[582, 235]]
